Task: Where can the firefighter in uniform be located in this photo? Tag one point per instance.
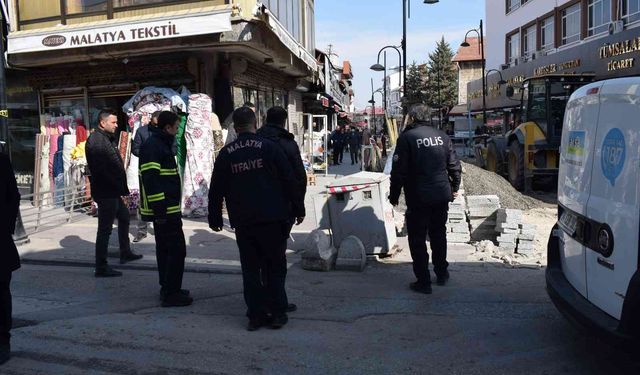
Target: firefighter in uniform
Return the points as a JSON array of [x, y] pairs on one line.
[[426, 166], [160, 195], [254, 178]]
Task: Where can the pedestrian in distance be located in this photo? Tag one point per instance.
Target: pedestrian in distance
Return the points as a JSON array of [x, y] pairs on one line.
[[9, 259], [354, 140], [160, 203], [108, 180], [142, 135], [253, 176], [337, 144], [426, 167]]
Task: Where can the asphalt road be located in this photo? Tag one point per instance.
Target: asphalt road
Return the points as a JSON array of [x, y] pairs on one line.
[[488, 320]]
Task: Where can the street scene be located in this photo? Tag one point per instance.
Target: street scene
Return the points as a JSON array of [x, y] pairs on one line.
[[330, 187]]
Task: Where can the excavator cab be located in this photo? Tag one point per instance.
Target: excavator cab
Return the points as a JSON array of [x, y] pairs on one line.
[[532, 148]]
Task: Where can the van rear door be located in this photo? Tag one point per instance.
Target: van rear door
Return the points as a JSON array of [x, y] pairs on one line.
[[612, 253], [574, 179]]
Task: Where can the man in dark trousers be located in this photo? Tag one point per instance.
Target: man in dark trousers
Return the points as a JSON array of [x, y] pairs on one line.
[[108, 187], [354, 140], [254, 178], [142, 135], [9, 260], [160, 202], [426, 166], [337, 144], [274, 131]]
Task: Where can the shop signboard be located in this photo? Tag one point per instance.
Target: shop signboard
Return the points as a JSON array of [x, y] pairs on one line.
[[616, 55], [119, 31]]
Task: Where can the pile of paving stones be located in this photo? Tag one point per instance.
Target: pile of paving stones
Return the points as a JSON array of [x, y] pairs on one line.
[[482, 216], [457, 226], [515, 235]]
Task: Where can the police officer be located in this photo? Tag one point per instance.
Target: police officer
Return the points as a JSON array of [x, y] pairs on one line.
[[160, 202], [426, 166], [337, 143], [252, 175]]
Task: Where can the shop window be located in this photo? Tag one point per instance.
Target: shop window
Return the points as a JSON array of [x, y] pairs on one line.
[[85, 6], [32, 10], [547, 38], [631, 10], [599, 16], [571, 24], [128, 3], [529, 41]]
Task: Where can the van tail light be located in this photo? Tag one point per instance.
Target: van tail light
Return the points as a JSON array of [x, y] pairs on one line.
[[593, 91]]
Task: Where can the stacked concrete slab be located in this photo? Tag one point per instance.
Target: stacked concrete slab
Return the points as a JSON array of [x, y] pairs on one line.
[[482, 216], [457, 226], [526, 239]]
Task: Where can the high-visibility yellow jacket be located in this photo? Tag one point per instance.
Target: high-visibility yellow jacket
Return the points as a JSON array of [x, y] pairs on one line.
[[160, 183]]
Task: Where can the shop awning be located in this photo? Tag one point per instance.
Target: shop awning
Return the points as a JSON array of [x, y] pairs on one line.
[[206, 20], [459, 109]]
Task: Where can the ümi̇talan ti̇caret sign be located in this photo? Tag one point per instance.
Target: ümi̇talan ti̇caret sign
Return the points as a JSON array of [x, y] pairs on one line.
[[77, 37]]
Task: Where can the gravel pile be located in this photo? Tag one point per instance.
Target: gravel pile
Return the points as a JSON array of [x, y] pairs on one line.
[[478, 181]]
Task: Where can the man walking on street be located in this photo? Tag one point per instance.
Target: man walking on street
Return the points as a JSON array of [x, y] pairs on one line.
[[254, 178], [9, 259], [426, 166], [231, 131], [108, 180], [337, 144], [354, 140], [142, 135], [160, 203]]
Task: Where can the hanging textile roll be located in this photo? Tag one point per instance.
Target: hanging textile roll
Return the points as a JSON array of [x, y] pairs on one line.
[[68, 143], [58, 173], [45, 173], [199, 157], [181, 146]]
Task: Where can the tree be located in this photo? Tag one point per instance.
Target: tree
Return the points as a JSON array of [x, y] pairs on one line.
[[442, 77], [414, 92]]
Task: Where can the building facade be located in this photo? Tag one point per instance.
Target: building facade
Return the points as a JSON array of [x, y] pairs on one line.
[[394, 93], [72, 58], [519, 31]]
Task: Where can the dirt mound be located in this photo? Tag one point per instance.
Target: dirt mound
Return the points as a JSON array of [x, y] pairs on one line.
[[478, 181]]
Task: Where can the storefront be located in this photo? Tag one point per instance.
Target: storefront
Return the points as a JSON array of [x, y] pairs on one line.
[[616, 55]]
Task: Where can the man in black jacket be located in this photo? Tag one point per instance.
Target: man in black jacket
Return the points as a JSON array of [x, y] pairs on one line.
[[160, 203], [9, 260], [426, 166], [142, 135], [254, 178], [108, 187], [354, 140], [337, 145]]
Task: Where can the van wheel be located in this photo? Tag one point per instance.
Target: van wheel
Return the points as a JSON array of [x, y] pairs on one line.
[[493, 163], [516, 165]]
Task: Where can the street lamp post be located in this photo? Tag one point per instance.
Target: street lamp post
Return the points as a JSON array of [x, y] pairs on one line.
[[383, 68], [484, 81]]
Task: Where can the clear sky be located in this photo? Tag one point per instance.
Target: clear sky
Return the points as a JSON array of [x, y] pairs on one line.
[[357, 29]]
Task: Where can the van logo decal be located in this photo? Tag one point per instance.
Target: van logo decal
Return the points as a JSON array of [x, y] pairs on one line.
[[54, 40], [613, 155], [575, 147]]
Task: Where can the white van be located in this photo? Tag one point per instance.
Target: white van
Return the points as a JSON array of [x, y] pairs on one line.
[[593, 275]]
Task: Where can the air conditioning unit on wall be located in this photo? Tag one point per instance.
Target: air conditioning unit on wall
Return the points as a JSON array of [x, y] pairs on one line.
[[616, 27]]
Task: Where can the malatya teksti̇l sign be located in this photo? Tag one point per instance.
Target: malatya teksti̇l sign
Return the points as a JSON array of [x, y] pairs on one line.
[[66, 37]]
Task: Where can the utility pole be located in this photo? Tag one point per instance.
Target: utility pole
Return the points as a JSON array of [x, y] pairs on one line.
[[4, 114]]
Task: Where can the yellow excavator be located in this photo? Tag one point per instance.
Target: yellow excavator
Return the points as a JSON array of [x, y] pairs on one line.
[[531, 149]]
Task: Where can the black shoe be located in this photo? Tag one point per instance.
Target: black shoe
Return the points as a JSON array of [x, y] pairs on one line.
[[279, 321], [129, 257], [291, 307], [256, 323], [442, 280], [107, 272], [184, 292], [5, 353], [421, 288], [176, 300], [139, 237]]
